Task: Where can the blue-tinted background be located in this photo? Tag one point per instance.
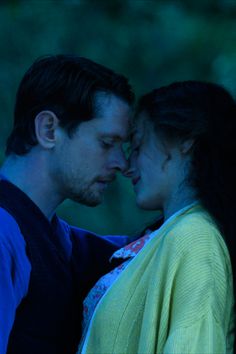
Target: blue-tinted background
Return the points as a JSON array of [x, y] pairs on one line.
[[152, 42]]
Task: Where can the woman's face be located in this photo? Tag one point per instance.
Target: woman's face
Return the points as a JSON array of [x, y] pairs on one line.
[[149, 166]]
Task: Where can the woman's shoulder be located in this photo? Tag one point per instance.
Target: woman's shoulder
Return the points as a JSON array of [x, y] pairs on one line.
[[195, 230], [195, 222], [199, 255]]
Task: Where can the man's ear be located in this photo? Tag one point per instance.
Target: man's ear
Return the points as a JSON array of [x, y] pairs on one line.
[[45, 124]]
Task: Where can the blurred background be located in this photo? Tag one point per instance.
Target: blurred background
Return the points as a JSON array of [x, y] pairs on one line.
[[152, 42]]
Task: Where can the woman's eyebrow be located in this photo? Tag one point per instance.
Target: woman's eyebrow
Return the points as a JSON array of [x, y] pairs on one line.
[[136, 135], [133, 133], [114, 137]]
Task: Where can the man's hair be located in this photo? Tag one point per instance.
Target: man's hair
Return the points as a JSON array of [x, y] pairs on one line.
[[66, 85]]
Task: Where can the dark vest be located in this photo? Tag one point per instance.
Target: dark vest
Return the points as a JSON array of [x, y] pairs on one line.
[[48, 320]]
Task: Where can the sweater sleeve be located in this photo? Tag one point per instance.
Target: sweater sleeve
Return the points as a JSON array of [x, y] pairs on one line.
[[206, 336], [202, 292], [14, 274]]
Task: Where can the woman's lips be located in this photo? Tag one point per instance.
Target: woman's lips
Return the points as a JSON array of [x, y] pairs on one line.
[[135, 180]]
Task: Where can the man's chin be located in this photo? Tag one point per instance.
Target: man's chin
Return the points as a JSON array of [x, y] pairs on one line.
[[89, 201]]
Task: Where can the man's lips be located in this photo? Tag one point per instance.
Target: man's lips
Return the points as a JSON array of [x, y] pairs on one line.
[[106, 180]]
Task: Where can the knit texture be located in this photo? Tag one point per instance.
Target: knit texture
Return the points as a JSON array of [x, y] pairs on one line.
[[175, 296]]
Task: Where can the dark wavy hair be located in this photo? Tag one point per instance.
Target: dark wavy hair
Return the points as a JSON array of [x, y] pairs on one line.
[[67, 86], [206, 113]]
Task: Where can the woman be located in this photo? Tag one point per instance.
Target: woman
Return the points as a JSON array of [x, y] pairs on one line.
[[174, 291]]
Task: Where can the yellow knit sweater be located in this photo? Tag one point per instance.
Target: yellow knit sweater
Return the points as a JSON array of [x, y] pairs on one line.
[[175, 296]]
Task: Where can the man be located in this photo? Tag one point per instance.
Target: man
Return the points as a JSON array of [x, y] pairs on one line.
[[71, 119]]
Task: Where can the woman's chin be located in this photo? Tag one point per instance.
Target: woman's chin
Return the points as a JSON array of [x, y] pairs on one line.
[[146, 203]]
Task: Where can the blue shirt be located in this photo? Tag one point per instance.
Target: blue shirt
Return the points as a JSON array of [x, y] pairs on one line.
[[15, 266], [14, 274]]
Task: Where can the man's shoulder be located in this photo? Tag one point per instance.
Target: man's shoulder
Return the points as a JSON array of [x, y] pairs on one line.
[[10, 233], [7, 221]]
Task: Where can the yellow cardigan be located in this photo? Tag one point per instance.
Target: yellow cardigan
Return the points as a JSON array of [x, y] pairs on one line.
[[175, 296]]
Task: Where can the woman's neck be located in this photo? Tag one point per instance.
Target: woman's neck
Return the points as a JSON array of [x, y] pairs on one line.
[[178, 200]]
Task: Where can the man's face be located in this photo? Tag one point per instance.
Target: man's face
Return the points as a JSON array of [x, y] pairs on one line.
[[87, 162]]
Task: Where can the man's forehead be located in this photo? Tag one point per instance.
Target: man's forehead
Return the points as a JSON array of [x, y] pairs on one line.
[[115, 128], [106, 102]]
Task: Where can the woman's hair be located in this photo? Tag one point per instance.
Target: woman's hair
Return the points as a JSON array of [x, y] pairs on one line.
[[206, 113]]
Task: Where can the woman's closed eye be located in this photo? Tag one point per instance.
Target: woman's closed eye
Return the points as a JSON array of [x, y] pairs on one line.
[[135, 149], [131, 150]]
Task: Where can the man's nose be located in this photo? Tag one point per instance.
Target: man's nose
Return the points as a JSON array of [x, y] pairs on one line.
[[119, 163]]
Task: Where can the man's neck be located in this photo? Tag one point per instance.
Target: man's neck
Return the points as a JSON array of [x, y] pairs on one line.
[[28, 173]]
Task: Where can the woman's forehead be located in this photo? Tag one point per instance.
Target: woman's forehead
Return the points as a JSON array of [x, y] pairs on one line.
[[140, 125]]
